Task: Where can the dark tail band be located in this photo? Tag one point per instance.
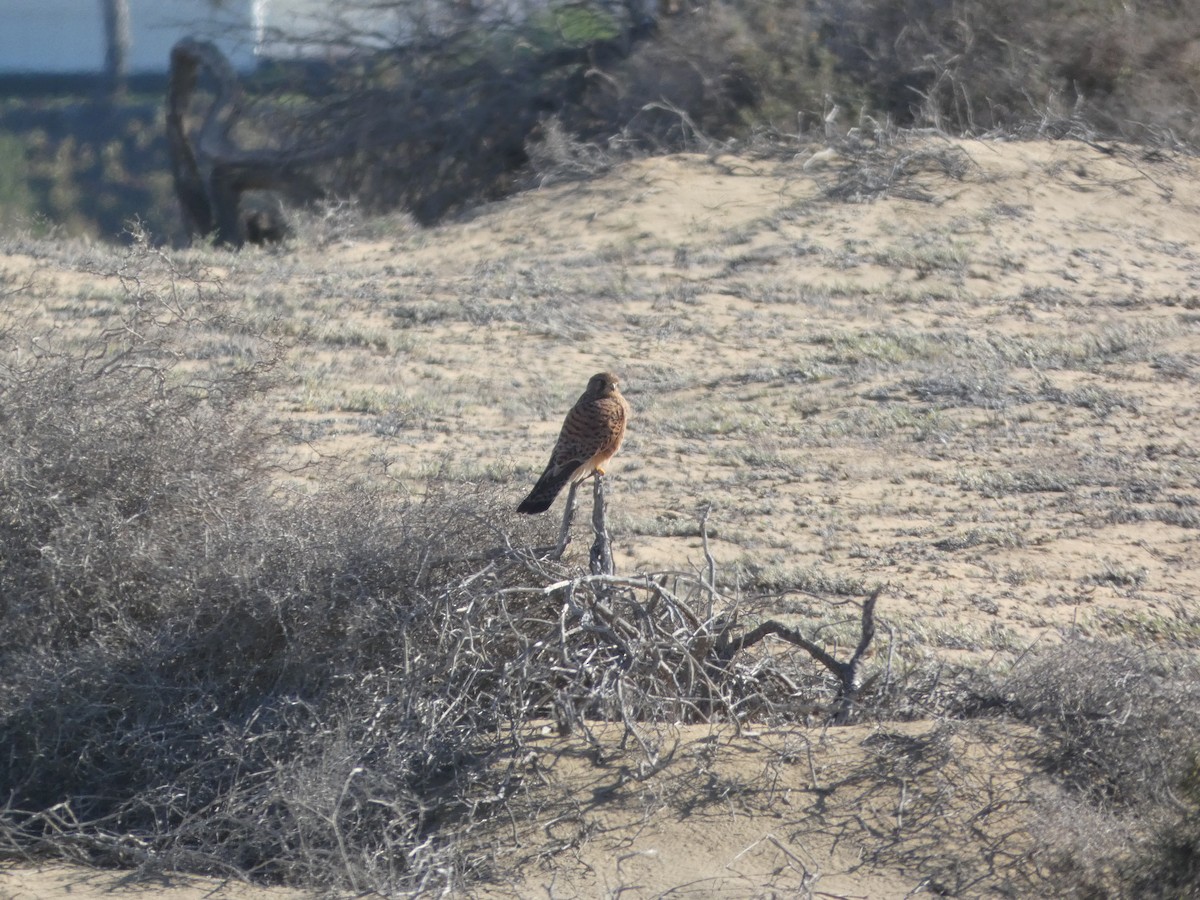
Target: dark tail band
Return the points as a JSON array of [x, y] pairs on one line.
[[544, 492]]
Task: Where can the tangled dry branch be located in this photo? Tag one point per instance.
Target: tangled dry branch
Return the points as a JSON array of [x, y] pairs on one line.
[[684, 655]]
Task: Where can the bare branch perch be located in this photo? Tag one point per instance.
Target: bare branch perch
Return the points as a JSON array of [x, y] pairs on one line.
[[710, 562], [600, 559]]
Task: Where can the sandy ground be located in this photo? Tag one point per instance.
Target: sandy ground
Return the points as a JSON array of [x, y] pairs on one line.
[[795, 812], [54, 881], [978, 387]]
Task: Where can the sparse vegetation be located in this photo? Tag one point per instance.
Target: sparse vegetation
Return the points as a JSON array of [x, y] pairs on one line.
[[272, 618], [269, 613], [208, 671]]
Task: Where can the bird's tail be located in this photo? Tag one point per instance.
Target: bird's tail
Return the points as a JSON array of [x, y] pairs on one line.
[[545, 491]]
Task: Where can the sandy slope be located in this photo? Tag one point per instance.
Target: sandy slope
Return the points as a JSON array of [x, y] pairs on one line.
[[979, 387], [985, 398]]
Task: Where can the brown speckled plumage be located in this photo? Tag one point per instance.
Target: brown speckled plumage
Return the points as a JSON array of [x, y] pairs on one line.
[[590, 435]]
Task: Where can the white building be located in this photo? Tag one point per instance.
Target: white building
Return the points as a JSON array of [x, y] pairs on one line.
[[61, 36], [67, 36]]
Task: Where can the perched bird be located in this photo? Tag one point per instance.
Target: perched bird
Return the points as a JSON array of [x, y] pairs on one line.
[[590, 435]]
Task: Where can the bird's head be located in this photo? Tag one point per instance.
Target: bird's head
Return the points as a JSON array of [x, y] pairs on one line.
[[603, 384]]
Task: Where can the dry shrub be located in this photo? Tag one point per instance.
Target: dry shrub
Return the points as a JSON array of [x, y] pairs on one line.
[[116, 441], [555, 155], [1119, 719], [966, 66], [695, 66], [443, 123], [476, 111], [963, 66], [1134, 72], [200, 670], [301, 710], [1119, 727], [969, 65]]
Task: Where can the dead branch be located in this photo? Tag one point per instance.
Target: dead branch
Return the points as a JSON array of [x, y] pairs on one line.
[[709, 560], [600, 560], [848, 672], [646, 631]]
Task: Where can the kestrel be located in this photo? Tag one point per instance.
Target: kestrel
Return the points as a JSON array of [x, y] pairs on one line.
[[590, 435]]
